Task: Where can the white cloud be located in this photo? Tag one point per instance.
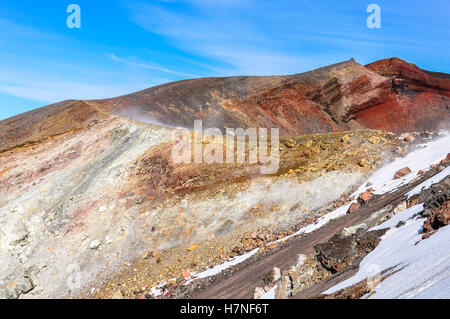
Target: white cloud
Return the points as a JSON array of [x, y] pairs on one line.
[[241, 46], [148, 66], [52, 88], [263, 37]]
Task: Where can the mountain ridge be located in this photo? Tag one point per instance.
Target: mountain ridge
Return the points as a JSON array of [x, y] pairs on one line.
[[388, 94]]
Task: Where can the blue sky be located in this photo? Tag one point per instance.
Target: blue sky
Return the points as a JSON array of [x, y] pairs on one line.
[[126, 46]]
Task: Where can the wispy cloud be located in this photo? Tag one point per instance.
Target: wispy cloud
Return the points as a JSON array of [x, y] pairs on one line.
[[267, 37], [244, 37], [237, 45], [11, 28], [152, 66], [53, 87]]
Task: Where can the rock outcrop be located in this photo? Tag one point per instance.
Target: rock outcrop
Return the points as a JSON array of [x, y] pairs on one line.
[[342, 251]]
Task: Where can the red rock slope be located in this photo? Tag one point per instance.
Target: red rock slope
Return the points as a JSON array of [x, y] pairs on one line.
[[389, 94]]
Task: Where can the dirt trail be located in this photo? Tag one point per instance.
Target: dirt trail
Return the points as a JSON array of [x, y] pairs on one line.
[[242, 282]]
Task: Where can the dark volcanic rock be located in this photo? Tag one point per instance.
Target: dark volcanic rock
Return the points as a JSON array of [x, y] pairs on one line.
[[338, 253], [435, 196], [438, 218], [341, 252]]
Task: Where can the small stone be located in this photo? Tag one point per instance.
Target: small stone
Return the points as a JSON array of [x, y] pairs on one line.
[[276, 273], [400, 151], [400, 207], [166, 293], [447, 159], [362, 162], [11, 292], [345, 139], [186, 273], [94, 244], [24, 285], [353, 208], [402, 172], [20, 234], [365, 197], [374, 140], [192, 247], [407, 138], [180, 280], [147, 254], [259, 292], [300, 260], [354, 229], [400, 224], [117, 295]]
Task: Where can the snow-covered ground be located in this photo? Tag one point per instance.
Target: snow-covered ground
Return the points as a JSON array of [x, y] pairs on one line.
[[156, 291], [318, 224], [397, 248], [418, 268], [270, 294], [230, 263], [382, 181], [433, 180]]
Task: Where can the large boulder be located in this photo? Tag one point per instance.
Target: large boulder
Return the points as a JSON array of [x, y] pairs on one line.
[[438, 218], [402, 172], [342, 252], [365, 197]]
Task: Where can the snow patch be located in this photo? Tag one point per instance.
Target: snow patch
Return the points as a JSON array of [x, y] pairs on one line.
[[157, 290], [382, 181], [270, 294], [433, 180], [318, 224], [420, 268], [219, 268]]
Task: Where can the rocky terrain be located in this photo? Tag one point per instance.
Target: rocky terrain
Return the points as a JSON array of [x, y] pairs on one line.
[[92, 205]]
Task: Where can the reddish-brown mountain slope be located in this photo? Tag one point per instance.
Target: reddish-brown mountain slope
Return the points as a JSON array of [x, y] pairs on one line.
[[389, 94], [418, 99]]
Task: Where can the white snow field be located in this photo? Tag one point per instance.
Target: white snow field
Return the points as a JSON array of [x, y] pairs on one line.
[[419, 268], [382, 181]]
